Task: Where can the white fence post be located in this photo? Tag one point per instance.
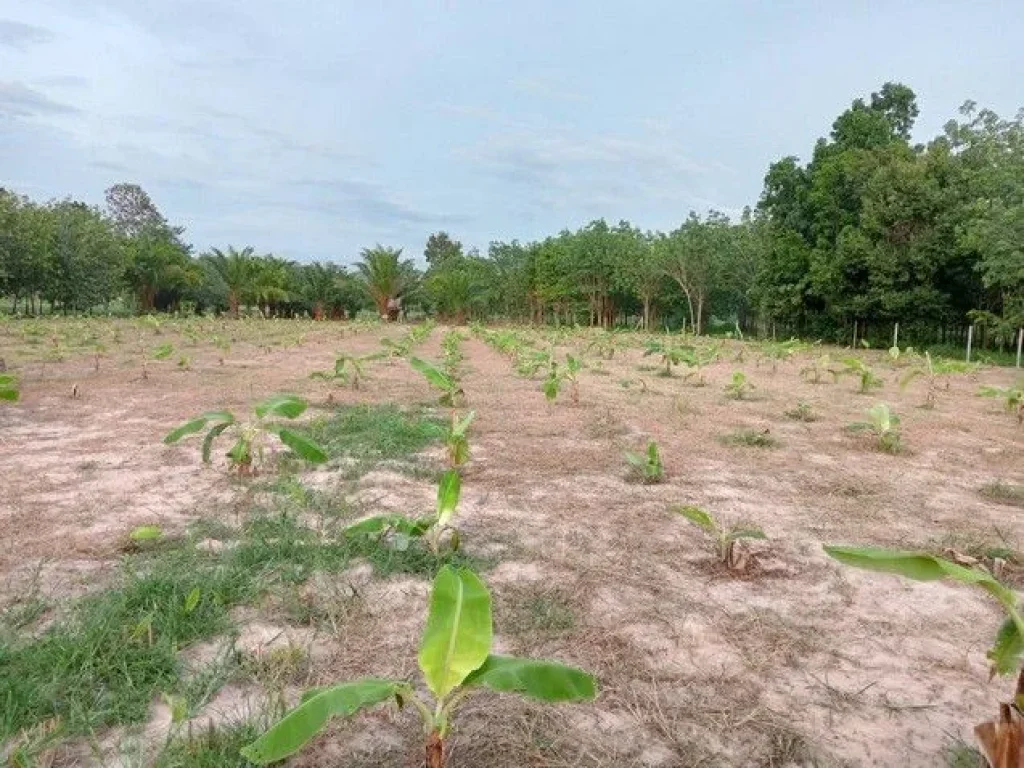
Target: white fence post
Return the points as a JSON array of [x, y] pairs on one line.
[[1020, 343], [970, 339], [896, 335]]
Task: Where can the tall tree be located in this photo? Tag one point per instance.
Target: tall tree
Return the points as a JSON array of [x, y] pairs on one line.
[[385, 275], [440, 247]]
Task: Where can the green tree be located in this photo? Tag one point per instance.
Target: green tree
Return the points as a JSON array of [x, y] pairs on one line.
[[385, 276]]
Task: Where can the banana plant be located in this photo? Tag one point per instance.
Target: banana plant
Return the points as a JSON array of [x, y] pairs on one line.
[[348, 369], [573, 366], [9, 391], [647, 466], [884, 425], [456, 661], [398, 531], [778, 351], [933, 370], [529, 361], [696, 358], [818, 369], [1012, 397], [451, 390], [552, 382], [724, 538], [456, 440], [604, 345], [161, 352], [670, 354], [1008, 648], [738, 386], [250, 437], [854, 366]]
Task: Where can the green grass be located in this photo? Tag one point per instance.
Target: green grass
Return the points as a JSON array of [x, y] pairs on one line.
[[548, 614], [117, 650], [376, 432], [753, 438], [213, 747], [367, 435]]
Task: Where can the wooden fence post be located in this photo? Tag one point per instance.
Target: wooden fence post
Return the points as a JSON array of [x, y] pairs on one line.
[[970, 338]]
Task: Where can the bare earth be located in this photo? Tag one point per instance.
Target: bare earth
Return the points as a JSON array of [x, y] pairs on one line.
[[803, 662]]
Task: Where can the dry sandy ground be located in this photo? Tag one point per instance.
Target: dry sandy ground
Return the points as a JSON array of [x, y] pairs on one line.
[[803, 663]]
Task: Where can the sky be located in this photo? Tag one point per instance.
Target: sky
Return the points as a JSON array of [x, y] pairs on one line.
[[315, 128]]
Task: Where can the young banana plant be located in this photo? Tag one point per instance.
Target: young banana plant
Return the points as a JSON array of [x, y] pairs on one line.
[[819, 368], [552, 382], [161, 352], [646, 467], [399, 531], [857, 367], [9, 391], [884, 425], [247, 452], [573, 366], [348, 369], [456, 440], [451, 391], [725, 538], [456, 661], [738, 386]]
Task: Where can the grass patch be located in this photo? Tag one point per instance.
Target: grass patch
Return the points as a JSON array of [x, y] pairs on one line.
[[105, 663], [754, 438], [1004, 493], [213, 747], [801, 412], [376, 433], [548, 614]]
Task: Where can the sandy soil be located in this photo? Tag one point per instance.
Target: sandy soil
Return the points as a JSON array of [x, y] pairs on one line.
[[803, 662]]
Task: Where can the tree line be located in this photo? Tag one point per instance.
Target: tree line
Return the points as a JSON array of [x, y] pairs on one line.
[[872, 229]]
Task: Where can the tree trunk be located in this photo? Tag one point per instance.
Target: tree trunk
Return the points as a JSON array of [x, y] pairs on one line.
[[435, 751], [698, 326]]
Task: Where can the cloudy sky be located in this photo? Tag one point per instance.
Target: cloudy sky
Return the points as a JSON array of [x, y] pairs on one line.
[[312, 128]]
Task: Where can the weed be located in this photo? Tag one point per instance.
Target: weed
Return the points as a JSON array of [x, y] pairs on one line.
[[369, 434], [104, 664], [1004, 493], [802, 411], [9, 391], [456, 660], [754, 438], [1012, 397], [646, 467], [211, 747]]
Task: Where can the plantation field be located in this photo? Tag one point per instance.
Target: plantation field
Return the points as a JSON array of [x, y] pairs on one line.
[[177, 651]]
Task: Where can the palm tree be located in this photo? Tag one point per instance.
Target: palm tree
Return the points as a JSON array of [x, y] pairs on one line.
[[272, 281], [238, 271], [320, 286], [385, 276]]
